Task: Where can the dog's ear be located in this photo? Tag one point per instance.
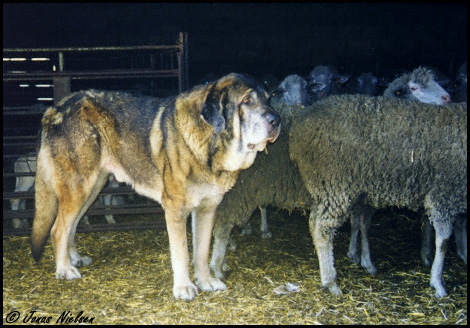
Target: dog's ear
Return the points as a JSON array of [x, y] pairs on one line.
[[212, 108]]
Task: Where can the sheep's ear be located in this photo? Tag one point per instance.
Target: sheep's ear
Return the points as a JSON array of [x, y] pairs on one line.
[[340, 79], [212, 108]]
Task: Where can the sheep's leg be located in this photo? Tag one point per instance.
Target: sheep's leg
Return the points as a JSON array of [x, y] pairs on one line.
[[366, 262], [352, 251], [108, 201], [443, 230], [323, 240], [247, 230], [426, 241], [265, 233], [24, 183], [460, 234], [219, 249]]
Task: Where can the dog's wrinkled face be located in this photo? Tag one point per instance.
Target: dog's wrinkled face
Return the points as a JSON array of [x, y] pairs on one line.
[[237, 108], [259, 124]]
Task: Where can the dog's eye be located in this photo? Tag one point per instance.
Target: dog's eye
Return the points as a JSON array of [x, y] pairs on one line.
[[247, 100]]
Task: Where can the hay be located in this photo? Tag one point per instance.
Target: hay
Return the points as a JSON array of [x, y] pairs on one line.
[[130, 281]]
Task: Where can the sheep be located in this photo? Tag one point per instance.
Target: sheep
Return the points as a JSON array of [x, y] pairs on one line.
[[324, 81], [362, 220], [291, 91], [358, 150], [419, 85], [23, 164], [366, 84], [273, 179], [27, 164]]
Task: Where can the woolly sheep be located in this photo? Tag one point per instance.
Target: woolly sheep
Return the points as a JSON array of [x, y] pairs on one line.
[[361, 220], [419, 85], [323, 81], [291, 91], [273, 179], [376, 152], [424, 83], [366, 84]]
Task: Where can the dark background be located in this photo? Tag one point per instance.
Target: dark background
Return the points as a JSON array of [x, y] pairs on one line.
[[258, 38]]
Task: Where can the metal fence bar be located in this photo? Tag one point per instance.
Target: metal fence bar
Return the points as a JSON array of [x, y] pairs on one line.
[[99, 227]]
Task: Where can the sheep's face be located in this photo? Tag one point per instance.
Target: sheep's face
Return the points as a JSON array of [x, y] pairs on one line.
[[431, 93], [367, 84], [295, 92]]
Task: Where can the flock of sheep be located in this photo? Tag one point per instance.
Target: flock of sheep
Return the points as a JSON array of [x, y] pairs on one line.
[[344, 156]]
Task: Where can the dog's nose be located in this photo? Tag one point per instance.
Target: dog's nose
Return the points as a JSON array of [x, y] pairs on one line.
[[272, 118]]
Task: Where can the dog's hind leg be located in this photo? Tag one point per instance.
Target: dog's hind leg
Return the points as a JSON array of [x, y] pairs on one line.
[[75, 195], [45, 212], [75, 257]]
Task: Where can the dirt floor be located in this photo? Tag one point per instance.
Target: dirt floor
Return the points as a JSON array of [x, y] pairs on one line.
[[130, 280]]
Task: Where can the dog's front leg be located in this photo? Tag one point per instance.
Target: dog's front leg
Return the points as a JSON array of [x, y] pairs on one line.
[[204, 218], [183, 288]]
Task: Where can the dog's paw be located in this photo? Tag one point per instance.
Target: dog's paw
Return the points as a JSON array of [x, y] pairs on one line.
[[186, 293], [211, 284], [69, 273]]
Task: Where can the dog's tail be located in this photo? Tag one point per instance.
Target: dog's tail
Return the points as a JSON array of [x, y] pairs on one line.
[[45, 212]]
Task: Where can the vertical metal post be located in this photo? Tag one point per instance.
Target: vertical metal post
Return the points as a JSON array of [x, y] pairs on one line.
[[61, 87], [61, 61], [61, 83], [180, 66], [183, 62], [186, 62]]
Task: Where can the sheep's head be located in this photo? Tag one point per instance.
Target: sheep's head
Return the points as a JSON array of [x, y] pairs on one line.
[[421, 86]]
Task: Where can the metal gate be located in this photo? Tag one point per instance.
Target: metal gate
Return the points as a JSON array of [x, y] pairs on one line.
[[34, 79]]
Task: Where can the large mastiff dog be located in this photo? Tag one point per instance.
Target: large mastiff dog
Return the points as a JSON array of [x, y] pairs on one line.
[[185, 152]]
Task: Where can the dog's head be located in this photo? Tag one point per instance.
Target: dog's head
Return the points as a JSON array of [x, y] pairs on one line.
[[238, 105], [237, 109]]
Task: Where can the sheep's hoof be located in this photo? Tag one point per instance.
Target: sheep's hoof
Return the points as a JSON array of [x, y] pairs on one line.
[[266, 235], [354, 258], [232, 245], [440, 290], [333, 288], [371, 269], [246, 231]]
